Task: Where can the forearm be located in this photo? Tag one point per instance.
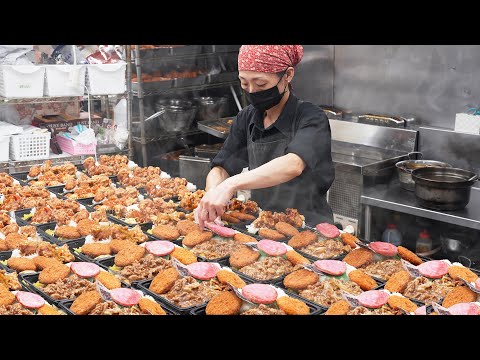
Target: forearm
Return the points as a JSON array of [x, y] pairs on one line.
[[216, 176], [275, 172]]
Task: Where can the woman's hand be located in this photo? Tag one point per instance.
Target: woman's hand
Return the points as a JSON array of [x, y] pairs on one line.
[[214, 202]]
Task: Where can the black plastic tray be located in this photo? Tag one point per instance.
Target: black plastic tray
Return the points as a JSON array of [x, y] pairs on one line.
[[144, 285], [314, 308], [66, 304], [5, 255], [21, 222], [87, 202], [121, 222], [74, 243]]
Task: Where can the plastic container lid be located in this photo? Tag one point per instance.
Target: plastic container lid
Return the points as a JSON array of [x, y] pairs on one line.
[[391, 226]]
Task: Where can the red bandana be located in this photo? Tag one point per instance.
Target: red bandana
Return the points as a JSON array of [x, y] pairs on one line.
[[269, 58]]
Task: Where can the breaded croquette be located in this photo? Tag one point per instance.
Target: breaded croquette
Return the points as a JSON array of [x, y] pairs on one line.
[[21, 264], [457, 272], [459, 294], [243, 256], [295, 258], [292, 306], [52, 274], [286, 229], [41, 262], [400, 302], [129, 255], [225, 276], [270, 234], [302, 239], [196, 237], [244, 238], [341, 307], [359, 257], [398, 281], [186, 226], [93, 249], [300, 279], [349, 239], [86, 302], [164, 281], [150, 307], [108, 280], [166, 232], [365, 281], [409, 256], [224, 303], [186, 257], [67, 232]]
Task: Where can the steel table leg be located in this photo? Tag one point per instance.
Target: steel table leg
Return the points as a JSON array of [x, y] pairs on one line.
[[368, 223]]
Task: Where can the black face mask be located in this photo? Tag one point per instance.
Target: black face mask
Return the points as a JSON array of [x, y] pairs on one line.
[[266, 99]]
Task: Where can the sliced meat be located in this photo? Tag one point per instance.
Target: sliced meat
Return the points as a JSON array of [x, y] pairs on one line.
[[260, 293], [383, 248], [85, 269], [125, 296], [422, 310], [272, 248], [159, 248], [331, 267], [464, 309], [29, 300], [328, 230], [203, 270], [434, 269], [373, 299], [220, 230]]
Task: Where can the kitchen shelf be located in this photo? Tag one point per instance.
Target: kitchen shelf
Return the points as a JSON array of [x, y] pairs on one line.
[[47, 99], [167, 136], [179, 53], [392, 197], [164, 89]]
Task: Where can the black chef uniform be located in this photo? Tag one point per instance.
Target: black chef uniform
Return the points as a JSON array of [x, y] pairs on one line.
[[302, 129]]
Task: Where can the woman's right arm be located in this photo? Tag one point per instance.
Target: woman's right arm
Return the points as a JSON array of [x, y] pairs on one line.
[[216, 176]]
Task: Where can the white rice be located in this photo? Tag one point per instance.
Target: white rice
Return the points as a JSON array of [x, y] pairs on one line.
[[191, 187], [164, 175]]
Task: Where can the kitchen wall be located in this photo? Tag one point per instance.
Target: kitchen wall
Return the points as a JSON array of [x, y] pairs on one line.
[[429, 82]]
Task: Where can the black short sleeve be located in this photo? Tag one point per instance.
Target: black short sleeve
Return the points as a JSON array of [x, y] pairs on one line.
[[233, 156]]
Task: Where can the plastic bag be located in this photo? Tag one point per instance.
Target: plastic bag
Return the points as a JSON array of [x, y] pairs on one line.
[[15, 54], [9, 113]]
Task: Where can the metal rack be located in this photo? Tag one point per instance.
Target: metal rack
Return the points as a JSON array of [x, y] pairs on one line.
[[16, 166], [168, 53]]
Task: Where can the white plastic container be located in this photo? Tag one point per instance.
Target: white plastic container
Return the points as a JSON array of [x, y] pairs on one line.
[[392, 235], [105, 79], [120, 114], [22, 81], [65, 80], [4, 146], [424, 243], [34, 146]]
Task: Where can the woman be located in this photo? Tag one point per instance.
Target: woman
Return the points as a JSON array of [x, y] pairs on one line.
[[284, 142]]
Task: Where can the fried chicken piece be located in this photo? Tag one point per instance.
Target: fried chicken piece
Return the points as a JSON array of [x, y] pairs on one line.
[[21, 264], [129, 255], [81, 215], [359, 257], [365, 281], [28, 247], [166, 232], [101, 232], [292, 306], [349, 239], [85, 226], [244, 238], [93, 250], [6, 297], [48, 310], [196, 237], [185, 227], [409, 256], [86, 302], [99, 215], [12, 228], [295, 258], [226, 276], [459, 294], [286, 229], [398, 282], [243, 256], [230, 219], [300, 279], [271, 234], [294, 218], [108, 280], [302, 239], [34, 171], [28, 230], [13, 240], [70, 185], [67, 232], [42, 262], [52, 274], [164, 281], [341, 307], [150, 307], [42, 215], [185, 256], [3, 245], [457, 272], [224, 303]]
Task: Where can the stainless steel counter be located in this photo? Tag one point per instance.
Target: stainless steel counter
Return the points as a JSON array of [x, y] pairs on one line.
[[392, 197]]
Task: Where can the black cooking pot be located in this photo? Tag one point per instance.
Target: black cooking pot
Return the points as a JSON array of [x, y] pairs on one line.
[[443, 188]]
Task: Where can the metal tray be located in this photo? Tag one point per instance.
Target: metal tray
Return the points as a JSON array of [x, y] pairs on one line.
[[314, 308], [74, 243], [194, 81], [209, 127], [222, 77], [154, 86], [121, 222]]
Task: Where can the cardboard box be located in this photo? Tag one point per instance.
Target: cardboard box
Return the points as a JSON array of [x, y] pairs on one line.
[[62, 122], [27, 112]]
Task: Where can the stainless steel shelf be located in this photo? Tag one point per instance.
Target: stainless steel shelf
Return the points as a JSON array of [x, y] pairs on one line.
[[393, 197], [168, 136], [185, 88], [47, 99]]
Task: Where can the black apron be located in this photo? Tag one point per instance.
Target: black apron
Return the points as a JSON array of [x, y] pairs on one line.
[[300, 193]]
